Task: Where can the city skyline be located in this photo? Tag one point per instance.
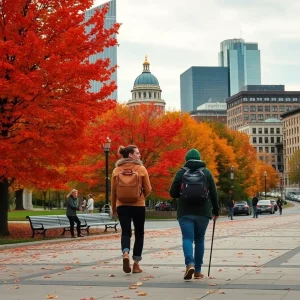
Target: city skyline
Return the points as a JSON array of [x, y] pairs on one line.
[[179, 35]]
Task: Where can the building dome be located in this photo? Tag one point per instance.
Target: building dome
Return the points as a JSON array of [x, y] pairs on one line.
[[146, 78]]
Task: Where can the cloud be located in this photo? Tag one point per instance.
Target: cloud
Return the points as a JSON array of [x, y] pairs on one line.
[[177, 35]]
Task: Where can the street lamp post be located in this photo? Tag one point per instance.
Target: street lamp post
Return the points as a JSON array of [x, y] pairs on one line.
[[232, 179], [281, 184], [265, 175], [106, 148]]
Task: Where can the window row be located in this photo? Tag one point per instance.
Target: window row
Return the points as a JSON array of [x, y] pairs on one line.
[[259, 117], [267, 108], [267, 99], [266, 140], [266, 130], [146, 95]]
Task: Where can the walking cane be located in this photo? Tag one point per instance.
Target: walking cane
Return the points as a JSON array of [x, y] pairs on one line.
[[212, 243]]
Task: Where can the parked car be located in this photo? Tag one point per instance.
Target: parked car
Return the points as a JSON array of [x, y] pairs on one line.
[[163, 206], [265, 206], [241, 208], [275, 205]]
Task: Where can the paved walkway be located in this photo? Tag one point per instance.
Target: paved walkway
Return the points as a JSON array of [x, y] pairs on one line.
[[252, 259]]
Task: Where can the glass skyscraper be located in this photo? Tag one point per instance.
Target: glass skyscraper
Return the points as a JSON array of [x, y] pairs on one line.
[[198, 85], [111, 53], [243, 62]]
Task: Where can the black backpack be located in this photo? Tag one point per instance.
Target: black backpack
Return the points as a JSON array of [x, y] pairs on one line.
[[194, 188]]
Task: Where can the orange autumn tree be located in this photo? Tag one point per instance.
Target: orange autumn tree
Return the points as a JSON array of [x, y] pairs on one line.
[[45, 76], [147, 127]]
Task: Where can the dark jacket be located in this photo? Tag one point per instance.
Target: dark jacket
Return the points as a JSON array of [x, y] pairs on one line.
[[72, 206], [230, 202], [206, 209], [279, 202], [254, 201]]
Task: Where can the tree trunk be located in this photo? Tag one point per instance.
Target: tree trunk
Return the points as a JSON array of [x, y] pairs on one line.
[[4, 207], [19, 200]]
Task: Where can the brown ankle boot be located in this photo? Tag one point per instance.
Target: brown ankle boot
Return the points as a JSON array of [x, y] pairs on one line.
[[189, 272], [136, 268], [198, 275], [126, 263]]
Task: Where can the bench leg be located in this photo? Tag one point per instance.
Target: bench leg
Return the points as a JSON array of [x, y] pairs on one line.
[[63, 233], [105, 228], [33, 233], [88, 230], [44, 233], [116, 228]]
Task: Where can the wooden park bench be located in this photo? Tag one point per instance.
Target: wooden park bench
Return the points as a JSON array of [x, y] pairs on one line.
[[40, 224]]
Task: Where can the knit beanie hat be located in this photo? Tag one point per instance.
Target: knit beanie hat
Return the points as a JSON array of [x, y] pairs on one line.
[[192, 154]]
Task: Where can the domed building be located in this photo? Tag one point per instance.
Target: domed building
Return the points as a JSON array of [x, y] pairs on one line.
[[146, 89]]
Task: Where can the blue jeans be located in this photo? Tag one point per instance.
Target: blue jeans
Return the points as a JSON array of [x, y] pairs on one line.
[[230, 210], [255, 214], [193, 229]]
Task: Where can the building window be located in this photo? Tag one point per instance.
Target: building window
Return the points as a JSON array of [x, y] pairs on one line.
[[260, 140], [274, 108], [287, 108], [260, 108], [271, 130], [272, 138], [260, 149], [254, 130], [275, 116], [155, 95], [277, 130], [288, 99], [273, 99], [149, 95], [259, 130], [245, 108], [145, 95], [245, 99], [267, 149], [280, 99], [266, 99], [252, 99], [268, 116], [295, 99], [278, 140], [272, 149], [246, 117], [254, 140], [260, 117], [267, 108], [266, 131], [140, 96], [266, 140], [259, 99], [252, 108], [281, 108], [252, 117]]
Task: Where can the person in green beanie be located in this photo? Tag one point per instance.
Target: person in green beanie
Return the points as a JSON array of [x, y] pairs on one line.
[[194, 217]]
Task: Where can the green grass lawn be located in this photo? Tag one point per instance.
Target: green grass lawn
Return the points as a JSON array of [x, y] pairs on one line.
[[20, 215]]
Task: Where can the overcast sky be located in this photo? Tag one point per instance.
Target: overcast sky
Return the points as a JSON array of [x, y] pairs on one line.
[[178, 34]]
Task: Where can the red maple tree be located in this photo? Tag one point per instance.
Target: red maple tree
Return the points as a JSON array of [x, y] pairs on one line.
[[45, 76]]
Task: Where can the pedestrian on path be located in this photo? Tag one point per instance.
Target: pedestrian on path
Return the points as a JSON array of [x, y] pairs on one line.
[[230, 205], [71, 212], [254, 206], [280, 205], [130, 185], [197, 204], [90, 204], [83, 205]]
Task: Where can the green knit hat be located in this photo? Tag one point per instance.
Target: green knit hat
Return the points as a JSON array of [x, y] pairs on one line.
[[192, 154]]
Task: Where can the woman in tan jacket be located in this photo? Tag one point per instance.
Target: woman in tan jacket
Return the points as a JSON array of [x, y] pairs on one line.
[[130, 185]]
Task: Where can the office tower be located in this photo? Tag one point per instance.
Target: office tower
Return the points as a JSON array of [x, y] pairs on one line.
[[111, 52], [243, 62], [198, 85]]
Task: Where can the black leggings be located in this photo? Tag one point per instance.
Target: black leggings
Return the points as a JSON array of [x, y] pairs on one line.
[[137, 215], [74, 219]]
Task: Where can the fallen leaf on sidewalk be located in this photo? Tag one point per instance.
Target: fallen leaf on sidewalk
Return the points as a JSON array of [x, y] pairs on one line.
[[111, 275], [51, 297], [68, 268], [142, 294]]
